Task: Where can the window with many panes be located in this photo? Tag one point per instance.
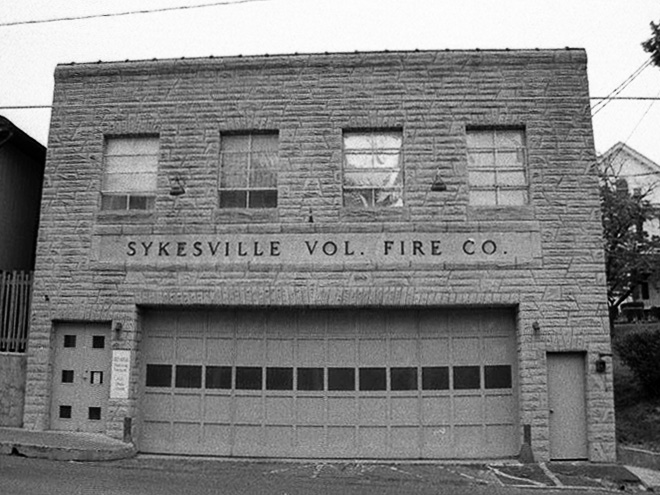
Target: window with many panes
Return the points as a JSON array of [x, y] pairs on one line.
[[130, 172], [248, 173], [497, 166], [373, 169]]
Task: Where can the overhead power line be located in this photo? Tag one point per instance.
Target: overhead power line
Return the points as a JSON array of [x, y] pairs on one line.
[[613, 95], [130, 12]]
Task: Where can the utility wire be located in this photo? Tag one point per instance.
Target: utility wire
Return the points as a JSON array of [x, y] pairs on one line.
[[603, 103], [131, 12]]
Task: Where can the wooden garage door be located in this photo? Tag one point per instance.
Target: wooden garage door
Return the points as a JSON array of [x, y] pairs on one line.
[[330, 383]]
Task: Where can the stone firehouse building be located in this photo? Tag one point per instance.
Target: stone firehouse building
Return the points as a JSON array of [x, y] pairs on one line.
[[364, 255]]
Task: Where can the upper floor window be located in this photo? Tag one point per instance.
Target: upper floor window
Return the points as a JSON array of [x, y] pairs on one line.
[[248, 174], [130, 173], [496, 167], [373, 170]]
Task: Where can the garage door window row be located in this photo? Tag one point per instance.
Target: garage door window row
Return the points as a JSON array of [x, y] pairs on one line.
[[330, 379]]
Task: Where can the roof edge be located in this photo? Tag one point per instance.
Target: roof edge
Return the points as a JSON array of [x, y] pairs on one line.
[[10, 133]]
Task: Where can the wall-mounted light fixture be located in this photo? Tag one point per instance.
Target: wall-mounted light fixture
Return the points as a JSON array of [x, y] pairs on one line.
[[601, 364], [536, 327], [177, 186], [118, 328], [438, 184]]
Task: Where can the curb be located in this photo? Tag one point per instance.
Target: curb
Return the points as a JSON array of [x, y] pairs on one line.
[[633, 456], [40, 451]]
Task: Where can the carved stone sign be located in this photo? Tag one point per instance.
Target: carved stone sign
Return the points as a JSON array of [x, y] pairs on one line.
[[370, 249]]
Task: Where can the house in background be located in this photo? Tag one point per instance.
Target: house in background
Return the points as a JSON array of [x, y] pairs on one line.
[[643, 177], [22, 161]]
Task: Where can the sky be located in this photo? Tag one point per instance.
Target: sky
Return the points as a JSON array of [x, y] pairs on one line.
[[610, 30]]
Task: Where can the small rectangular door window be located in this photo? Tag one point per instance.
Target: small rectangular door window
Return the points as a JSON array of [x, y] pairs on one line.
[[67, 376]]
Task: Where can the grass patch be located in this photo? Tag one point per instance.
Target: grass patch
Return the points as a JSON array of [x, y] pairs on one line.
[[637, 416]]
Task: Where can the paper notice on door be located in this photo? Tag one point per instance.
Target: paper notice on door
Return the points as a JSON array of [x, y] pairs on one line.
[[120, 374]]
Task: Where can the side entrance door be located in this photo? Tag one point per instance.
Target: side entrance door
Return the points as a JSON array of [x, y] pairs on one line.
[[81, 377], [566, 401]]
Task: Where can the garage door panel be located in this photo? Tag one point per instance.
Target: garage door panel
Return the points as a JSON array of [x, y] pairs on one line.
[[437, 442], [403, 352], [372, 411], [499, 409], [311, 441], [248, 440], [279, 440], [281, 323], [405, 441], [189, 350], [160, 350], [158, 406], [188, 436], [311, 352], [310, 410], [341, 441], [219, 351], [249, 410], [157, 437], [279, 352], [500, 438], [432, 324], [434, 351], [466, 350], [187, 408], [340, 323], [162, 323], [468, 440], [404, 411], [217, 439], [279, 410], [188, 325], [342, 411], [251, 323], [250, 352], [436, 410], [217, 409], [373, 352], [221, 323], [370, 324], [467, 323], [498, 350], [372, 441], [341, 352], [468, 410]]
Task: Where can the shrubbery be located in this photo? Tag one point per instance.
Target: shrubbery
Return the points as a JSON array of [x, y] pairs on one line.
[[641, 353]]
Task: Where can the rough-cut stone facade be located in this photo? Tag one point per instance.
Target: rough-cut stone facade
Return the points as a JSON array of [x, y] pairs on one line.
[[432, 96], [12, 389]]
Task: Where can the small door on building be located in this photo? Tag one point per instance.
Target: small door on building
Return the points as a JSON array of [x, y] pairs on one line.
[[81, 377], [567, 408]]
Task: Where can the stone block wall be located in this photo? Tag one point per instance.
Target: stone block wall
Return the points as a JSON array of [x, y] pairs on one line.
[[12, 389], [310, 100]]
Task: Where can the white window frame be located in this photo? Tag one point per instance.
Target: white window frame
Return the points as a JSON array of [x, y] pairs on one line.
[[499, 168], [269, 194], [369, 192], [124, 188]]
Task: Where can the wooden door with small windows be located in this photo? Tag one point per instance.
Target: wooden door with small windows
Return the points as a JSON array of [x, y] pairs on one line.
[[81, 377]]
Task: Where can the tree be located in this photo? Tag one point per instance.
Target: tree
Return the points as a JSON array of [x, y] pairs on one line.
[[631, 256], [652, 45]]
